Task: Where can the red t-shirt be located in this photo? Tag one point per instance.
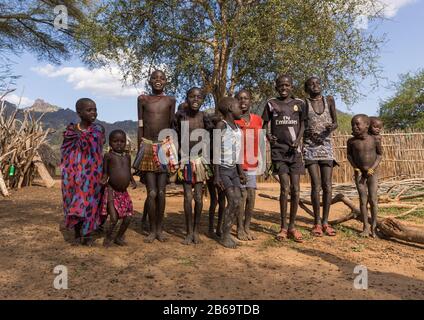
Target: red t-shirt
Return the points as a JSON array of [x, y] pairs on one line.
[[250, 135]]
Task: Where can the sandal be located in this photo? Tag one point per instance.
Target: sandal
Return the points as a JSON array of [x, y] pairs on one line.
[[282, 235], [317, 231], [295, 235], [329, 231]]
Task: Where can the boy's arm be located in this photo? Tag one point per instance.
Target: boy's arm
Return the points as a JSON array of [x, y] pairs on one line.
[[172, 111], [379, 151], [241, 174], [349, 155], [302, 126], [217, 179], [105, 175], [333, 112], [133, 183], [140, 131], [267, 125]]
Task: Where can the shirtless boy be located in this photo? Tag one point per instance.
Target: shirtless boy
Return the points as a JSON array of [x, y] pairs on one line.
[[155, 113], [195, 168], [364, 156], [117, 177]]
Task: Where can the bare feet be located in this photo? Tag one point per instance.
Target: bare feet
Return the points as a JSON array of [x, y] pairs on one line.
[[107, 242], [76, 242], [228, 242], [188, 239], [161, 237], [218, 233], [365, 233], [250, 235], [196, 238], [88, 241], [211, 234], [242, 235], [120, 242], [150, 238]]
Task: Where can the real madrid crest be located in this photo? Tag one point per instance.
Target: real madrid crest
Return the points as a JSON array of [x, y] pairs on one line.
[[295, 107]]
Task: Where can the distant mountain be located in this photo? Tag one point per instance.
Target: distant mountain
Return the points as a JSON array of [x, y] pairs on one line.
[[57, 119], [42, 106]]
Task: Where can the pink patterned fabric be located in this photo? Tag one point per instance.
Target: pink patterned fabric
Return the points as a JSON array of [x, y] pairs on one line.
[[121, 201]]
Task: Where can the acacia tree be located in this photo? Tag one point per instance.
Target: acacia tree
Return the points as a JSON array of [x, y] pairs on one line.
[[224, 45], [405, 110], [29, 25]]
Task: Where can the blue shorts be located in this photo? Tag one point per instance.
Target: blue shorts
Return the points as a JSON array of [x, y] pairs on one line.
[[250, 180]]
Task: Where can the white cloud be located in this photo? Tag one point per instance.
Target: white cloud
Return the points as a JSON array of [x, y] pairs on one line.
[[386, 8], [391, 7], [101, 81], [22, 102]]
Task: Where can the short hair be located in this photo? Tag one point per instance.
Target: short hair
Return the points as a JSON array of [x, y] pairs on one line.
[[195, 88], [284, 76], [361, 115], [225, 103], [157, 70], [116, 132], [375, 119], [308, 80], [245, 91], [80, 102]]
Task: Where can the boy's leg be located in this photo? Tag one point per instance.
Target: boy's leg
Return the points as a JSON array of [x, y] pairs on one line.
[[241, 234], [162, 178], [233, 198], [150, 204], [294, 198], [327, 195], [144, 222], [372, 182], [77, 234], [119, 240], [284, 194], [198, 207], [361, 186], [113, 219], [250, 205], [188, 207], [221, 210], [313, 170], [212, 205]]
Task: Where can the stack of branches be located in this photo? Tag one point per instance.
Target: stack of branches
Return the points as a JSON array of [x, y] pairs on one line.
[[394, 193], [20, 140]]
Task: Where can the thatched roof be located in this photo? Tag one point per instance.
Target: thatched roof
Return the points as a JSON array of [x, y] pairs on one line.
[[48, 155]]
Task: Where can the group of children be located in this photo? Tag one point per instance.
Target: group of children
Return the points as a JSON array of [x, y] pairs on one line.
[[299, 132]]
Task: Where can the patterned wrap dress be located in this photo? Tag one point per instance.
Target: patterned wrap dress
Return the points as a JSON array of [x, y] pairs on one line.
[[81, 166]]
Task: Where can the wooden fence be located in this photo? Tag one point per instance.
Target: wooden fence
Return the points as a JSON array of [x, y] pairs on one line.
[[403, 156]]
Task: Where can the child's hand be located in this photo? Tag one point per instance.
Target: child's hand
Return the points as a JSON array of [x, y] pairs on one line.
[[272, 139], [218, 183], [103, 180], [133, 184], [243, 178], [329, 127]]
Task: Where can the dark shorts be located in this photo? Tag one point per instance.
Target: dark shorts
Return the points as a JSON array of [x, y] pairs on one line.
[[229, 177], [288, 167], [329, 163]]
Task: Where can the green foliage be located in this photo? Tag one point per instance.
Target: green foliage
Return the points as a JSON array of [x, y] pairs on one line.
[[344, 121], [226, 45], [28, 25], [405, 110]]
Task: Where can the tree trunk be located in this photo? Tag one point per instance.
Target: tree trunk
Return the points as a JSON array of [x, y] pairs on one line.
[[3, 186]]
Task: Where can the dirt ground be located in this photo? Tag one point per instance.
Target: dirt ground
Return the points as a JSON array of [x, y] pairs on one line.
[[33, 242]]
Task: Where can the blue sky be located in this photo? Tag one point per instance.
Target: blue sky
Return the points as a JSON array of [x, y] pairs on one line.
[[62, 85]]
